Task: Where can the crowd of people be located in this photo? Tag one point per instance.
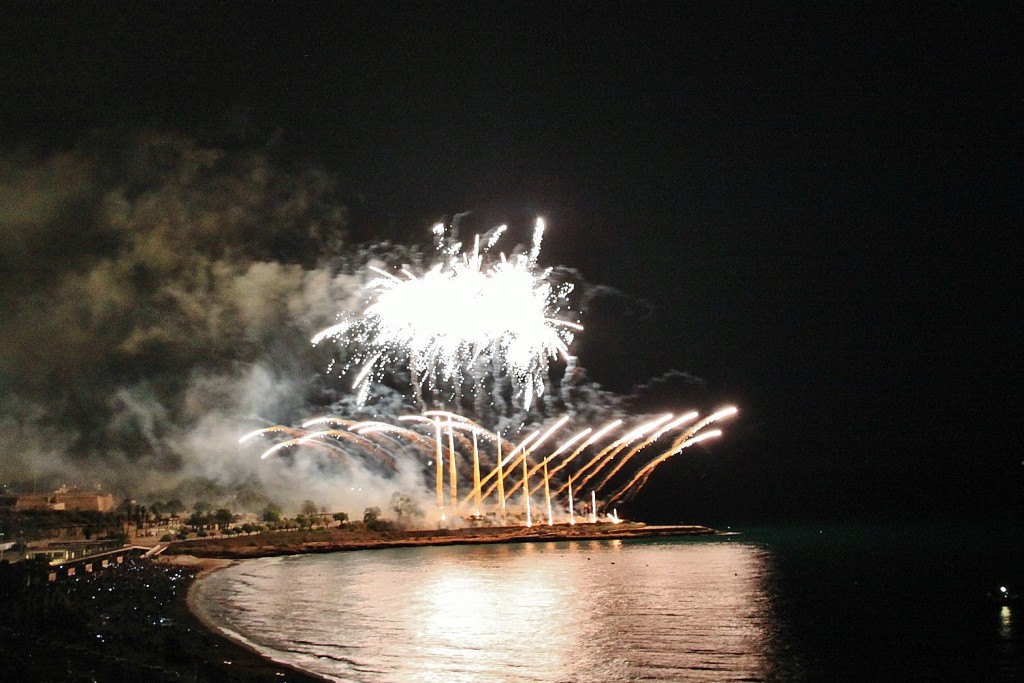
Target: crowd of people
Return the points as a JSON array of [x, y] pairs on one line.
[[127, 620]]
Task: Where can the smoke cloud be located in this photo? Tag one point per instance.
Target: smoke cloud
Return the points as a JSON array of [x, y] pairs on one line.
[[157, 298], [154, 292]]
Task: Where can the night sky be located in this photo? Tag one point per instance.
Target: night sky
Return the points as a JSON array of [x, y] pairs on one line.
[[814, 208]]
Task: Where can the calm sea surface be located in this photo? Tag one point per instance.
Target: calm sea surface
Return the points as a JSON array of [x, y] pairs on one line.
[[798, 603]]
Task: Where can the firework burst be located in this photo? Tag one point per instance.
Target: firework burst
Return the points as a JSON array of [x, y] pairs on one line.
[[471, 314], [440, 443]]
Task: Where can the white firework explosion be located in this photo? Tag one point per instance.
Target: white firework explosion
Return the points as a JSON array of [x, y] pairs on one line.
[[470, 314]]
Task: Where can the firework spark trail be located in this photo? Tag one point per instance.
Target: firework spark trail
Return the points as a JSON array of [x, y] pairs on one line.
[[474, 455], [544, 463], [389, 442], [370, 427], [449, 419], [501, 480], [613, 449], [508, 464], [572, 513], [625, 441], [609, 451], [538, 235], [526, 492], [455, 417], [266, 431], [439, 457], [541, 439], [362, 381], [376, 435], [728, 411], [684, 440], [533, 446], [594, 438], [328, 419], [359, 434], [334, 450], [476, 475], [502, 462], [453, 472], [310, 439], [547, 494], [453, 422], [644, 473], [362, 442], [460, 422], [471, 318], [463, 308], [678, 422], [365, 439], [278, 447]]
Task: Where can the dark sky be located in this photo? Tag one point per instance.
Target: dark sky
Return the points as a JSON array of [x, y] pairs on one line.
[[822, 201]]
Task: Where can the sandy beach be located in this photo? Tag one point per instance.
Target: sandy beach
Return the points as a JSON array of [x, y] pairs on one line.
[[234, 658]]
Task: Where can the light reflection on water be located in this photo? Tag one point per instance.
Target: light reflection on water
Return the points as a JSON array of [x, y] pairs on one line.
[[575, 611]]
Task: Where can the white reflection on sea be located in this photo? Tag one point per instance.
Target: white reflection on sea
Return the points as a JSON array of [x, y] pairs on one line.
[[577, 611]]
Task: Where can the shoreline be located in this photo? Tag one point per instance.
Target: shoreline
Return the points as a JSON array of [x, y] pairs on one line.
[[275, 544], [242, 658]]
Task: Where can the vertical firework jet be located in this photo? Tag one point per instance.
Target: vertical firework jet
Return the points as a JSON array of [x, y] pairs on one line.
[[446, 429]]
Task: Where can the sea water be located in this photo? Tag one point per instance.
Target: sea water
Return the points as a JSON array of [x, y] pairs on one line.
[[769, 604]]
